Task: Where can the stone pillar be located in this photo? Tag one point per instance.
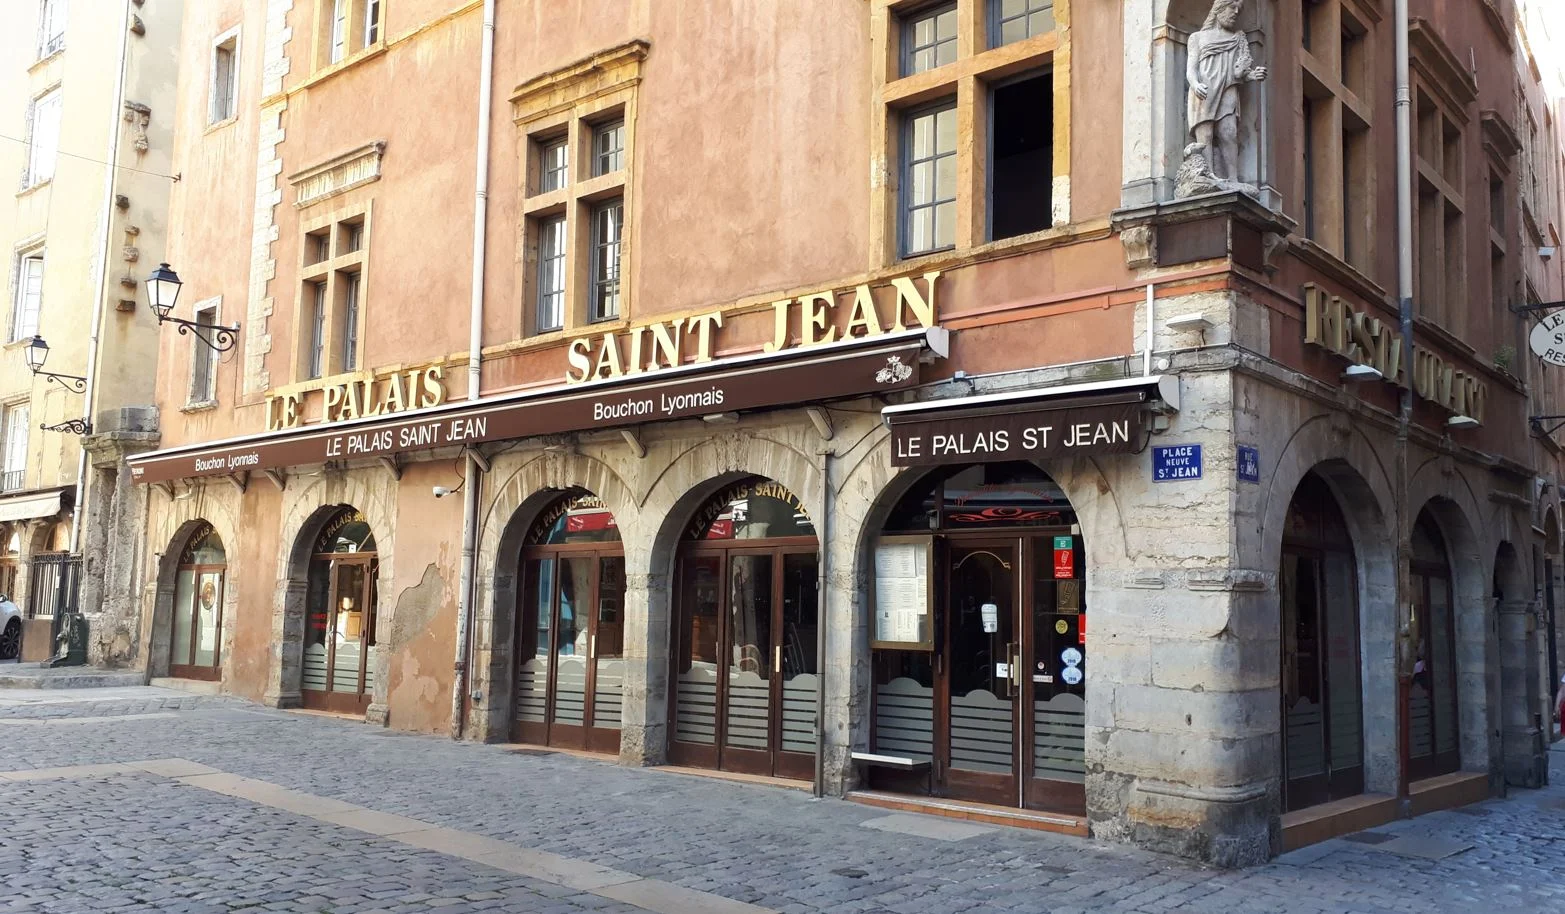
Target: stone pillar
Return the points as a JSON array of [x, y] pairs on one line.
[[113, 528], [845, 667], [644, 712], [282, 688], [1522, 735]]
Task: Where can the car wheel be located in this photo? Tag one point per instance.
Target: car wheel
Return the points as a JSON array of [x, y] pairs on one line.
[[11, 641]]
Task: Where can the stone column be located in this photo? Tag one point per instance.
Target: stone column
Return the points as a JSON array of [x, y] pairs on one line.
[[644, 712], [1522, 736], [113, 535], [282, 689]]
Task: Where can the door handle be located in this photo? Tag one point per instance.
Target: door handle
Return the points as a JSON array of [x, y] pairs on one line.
[[777, 658], [592, 647]]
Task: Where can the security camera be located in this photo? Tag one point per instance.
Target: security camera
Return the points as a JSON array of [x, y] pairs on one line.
[[441, 491]]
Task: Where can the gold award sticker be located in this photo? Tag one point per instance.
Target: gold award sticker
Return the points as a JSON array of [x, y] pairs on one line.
[[1061, 626]]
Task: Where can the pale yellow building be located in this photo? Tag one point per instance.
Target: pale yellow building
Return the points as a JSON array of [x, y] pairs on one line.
[[83, 83]]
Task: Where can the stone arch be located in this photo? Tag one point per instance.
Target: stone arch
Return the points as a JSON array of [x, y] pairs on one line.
[[174, 526], [1347, 461], [308, 503], [535, 483]]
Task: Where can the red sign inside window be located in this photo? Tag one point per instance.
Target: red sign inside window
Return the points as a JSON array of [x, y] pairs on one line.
[[1081, 628], [1064, 563]]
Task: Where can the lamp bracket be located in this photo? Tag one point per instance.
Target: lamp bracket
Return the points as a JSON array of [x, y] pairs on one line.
[[222, 339], [70, 426]]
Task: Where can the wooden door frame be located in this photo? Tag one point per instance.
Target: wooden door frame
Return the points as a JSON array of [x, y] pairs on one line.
[[1437, 763], [970, 785], [190, 670], [356, 702], [1043, 793]]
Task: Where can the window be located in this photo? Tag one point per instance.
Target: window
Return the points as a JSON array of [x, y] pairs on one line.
[[203, 360], [51, 28], [43, 145], [554, 165], [1022, 152], [29, 298], [371, 22], [929, 39], [334, 263], [607, 224], [551, 274], [1015, 20], [16, 429], [929, 180], [225, 79], [577, 135], [1499, 281], [350, 322], [1336, 180], [1440, 280], [608, 148], [317, 329], [339, 30]]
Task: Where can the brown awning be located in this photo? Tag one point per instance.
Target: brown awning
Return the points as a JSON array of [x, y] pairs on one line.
[[1105, 417], [845, 369]]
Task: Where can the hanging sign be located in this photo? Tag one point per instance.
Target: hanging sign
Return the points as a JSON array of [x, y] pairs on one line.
[[1548, 339], [1176, 462]]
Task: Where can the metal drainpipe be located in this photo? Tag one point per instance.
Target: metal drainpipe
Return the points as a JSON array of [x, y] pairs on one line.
[[471, 478], [822, 592], [101, 284], [1404, 104]]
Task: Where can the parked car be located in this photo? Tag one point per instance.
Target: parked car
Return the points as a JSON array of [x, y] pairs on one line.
[[11, 635]]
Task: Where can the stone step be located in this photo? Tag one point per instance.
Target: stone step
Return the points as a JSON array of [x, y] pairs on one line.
[[38, 676]]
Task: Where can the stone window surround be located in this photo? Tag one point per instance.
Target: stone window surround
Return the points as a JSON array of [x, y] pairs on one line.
[[24, 185], [1323, 67], [967, 78], [32, 246], [329, 271], [1439, 77], [572, 101]]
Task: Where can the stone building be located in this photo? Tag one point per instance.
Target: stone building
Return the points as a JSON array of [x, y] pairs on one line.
[[590, 394], [85, 131]]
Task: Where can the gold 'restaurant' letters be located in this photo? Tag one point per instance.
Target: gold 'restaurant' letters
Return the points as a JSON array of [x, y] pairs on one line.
[[665, 344], [1364, 340]]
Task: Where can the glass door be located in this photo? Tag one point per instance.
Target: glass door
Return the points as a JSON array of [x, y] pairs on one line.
[[982, 688], [1054, 676], [339, 633], [198, 607], [570, 649]]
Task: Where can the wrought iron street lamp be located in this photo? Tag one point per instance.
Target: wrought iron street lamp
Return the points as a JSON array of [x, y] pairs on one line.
[[38, 354], [163, 288]]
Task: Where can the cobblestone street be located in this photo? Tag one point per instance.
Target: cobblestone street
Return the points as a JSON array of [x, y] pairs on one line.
[[143, 800]]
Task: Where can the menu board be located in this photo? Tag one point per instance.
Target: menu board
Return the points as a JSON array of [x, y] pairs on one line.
[[902, 593]]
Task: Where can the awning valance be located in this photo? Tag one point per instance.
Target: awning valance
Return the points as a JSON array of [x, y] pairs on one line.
[[848, 368], [29, 505], [1100, 417]]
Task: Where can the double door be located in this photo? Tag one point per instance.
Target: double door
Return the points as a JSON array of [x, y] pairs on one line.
[[998, 708], [340, 629], [195, 651], [570, 650], [746, 683]]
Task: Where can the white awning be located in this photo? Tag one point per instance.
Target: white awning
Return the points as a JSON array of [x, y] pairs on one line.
[[30, 505]]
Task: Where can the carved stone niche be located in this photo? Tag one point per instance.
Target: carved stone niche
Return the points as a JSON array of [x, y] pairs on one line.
[[1157, 134], [1230, 225]]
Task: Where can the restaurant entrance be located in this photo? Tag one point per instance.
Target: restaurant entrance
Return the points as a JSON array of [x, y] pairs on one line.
[[984, 697]]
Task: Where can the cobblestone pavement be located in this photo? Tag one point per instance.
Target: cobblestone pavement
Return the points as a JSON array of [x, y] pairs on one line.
[[276, 811]]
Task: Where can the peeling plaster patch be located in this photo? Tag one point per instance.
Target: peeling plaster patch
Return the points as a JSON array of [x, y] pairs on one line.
[[416, 608]]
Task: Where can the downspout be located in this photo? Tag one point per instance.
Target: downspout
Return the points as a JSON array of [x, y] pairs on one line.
[[1146, 355], [100, 283], [821, 591], [470, 476], [1404, 104]]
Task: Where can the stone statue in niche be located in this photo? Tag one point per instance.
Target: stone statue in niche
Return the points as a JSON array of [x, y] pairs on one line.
[[1219, 63]]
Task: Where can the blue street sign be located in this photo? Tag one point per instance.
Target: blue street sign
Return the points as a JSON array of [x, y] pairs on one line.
[[1176, 462], [1249, 463]]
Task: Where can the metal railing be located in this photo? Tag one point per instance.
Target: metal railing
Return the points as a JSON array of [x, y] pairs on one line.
[[54, 584], [11, 480]]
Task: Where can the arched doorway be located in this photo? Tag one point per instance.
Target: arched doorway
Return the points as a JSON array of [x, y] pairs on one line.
[[980, 640], [744, 661], [196, 649], [10, 560], [1434, 746], [339, 629], [570, 632], [1322, 701]]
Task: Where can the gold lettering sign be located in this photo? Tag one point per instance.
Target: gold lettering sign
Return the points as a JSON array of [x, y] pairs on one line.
[[1365, 340], [357, 398], [809, 320]]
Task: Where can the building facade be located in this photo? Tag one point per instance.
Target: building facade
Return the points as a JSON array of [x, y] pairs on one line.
[[591, 394], [87, 135]]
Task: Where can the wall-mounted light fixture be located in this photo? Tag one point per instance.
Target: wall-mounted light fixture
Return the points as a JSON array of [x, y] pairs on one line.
[[38, 354], [163, 288]]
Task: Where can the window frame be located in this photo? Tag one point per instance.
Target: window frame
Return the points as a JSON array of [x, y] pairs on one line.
[[20, 330], [995, 20], [612, 127], [334, 286], [905, 204], [216, 114], [203, 358], [557, 307], [910, 48], [352, 293], [33, 176], [51, 13], [337, 32], [597, 285], [316, 359], [371, 24], [562, 144], [14, 477]]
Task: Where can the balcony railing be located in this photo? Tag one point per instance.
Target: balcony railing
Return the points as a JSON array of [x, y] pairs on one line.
[[12, 480]]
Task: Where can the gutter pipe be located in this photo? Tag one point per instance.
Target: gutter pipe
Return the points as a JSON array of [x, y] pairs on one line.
[[1404, 104]]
